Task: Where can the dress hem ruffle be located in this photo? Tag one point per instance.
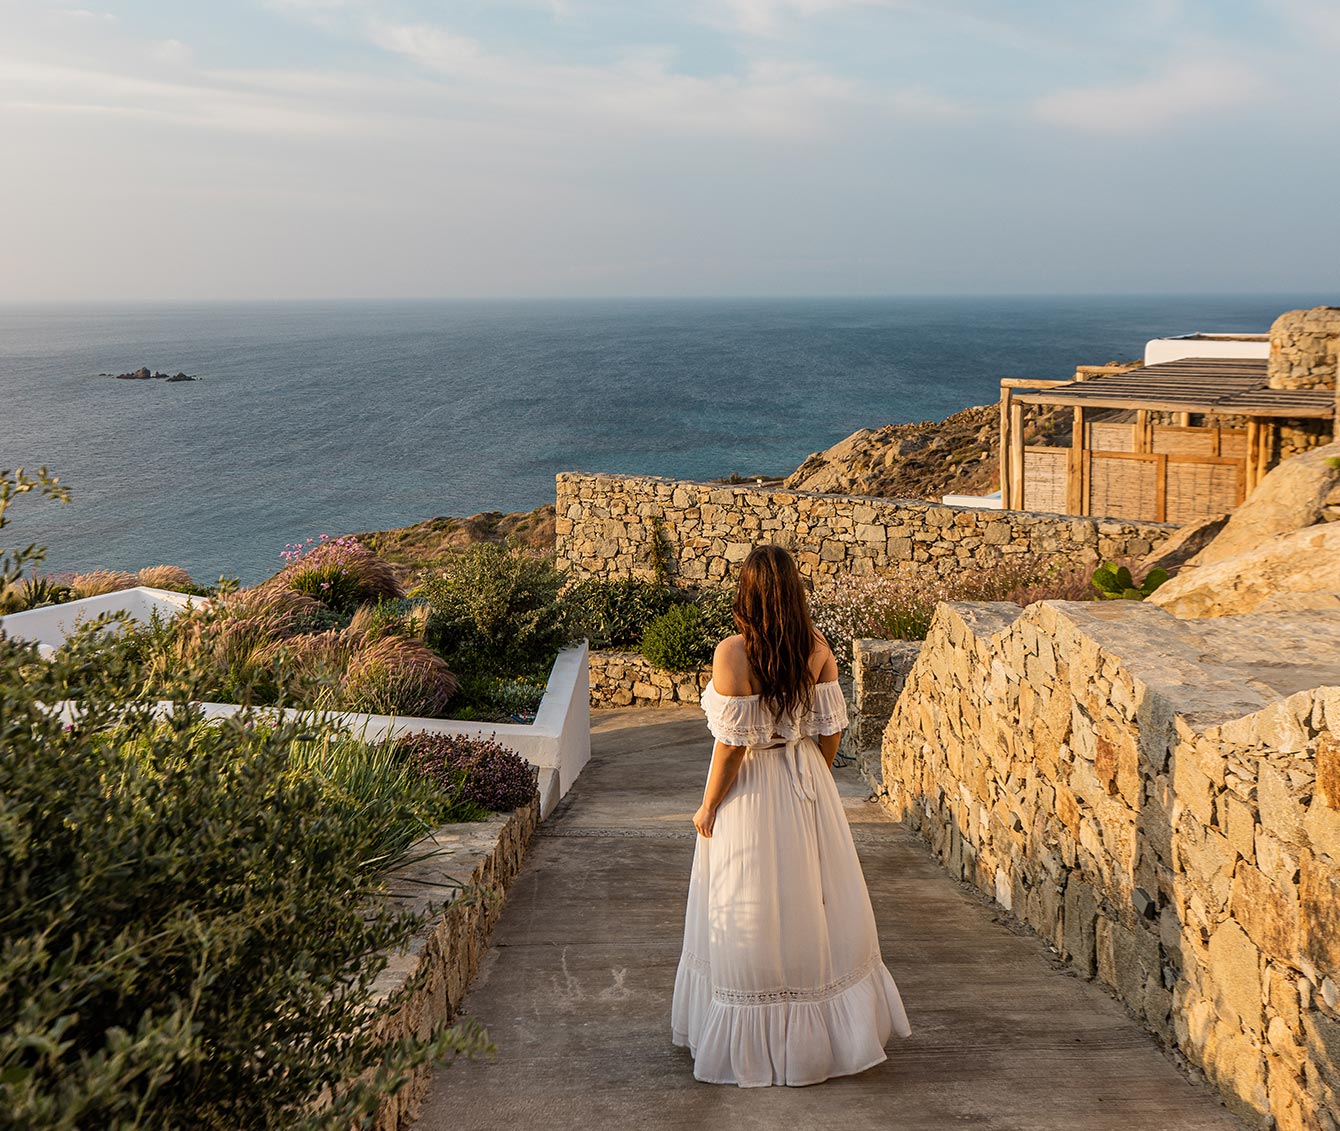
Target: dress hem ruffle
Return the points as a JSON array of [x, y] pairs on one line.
[[794, 1042]]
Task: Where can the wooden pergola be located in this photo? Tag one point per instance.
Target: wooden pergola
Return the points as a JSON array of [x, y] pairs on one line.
[[1146, 461]]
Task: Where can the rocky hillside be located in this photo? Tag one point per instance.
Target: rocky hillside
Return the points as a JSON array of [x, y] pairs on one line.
[[924, 460], [414, 547]]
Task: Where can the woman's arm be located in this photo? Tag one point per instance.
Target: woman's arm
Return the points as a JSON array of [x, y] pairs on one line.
[[828, 746], [730, 676], [725, 768], [828, 671]]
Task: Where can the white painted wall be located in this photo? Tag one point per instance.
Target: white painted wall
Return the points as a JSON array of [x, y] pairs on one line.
[[1158, 350], [50, 626]]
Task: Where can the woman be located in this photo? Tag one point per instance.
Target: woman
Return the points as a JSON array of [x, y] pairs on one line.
[[780, 980]]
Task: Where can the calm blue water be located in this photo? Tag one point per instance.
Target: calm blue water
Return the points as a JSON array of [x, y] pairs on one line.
[[325, 417]]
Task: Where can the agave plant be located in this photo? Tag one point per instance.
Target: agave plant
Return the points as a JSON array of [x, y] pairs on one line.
[[1116, 583], [32, 593]]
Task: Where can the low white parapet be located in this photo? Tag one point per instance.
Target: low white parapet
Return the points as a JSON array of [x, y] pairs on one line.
[[557, 743], [991, 502], [48, 627], [1159, 350]]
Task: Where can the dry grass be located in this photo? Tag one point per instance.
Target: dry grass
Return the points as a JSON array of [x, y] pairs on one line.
[[99, 581], [397, 675], [167, 577]]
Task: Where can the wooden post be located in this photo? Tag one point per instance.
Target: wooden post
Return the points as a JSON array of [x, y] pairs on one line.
[[1270, 431], [1161, 488], [1005, 397], [1141, 431], [1016, 456], [1074, 481], [1184, 420], [1253, 456]]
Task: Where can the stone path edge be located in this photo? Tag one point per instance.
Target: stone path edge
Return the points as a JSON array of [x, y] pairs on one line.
[[479, 861]]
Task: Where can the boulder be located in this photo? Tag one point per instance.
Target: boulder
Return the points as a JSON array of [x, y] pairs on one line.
[[1292, 496], [1282, 569], [1189, 541]]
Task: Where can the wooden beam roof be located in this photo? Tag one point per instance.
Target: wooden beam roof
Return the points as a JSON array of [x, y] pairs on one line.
[[1232, 385]]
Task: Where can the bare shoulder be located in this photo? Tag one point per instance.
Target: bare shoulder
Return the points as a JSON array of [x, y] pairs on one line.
[[730, 667], [823, 664]]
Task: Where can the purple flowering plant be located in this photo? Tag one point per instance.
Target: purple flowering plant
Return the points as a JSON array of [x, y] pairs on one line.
[[490, 774]]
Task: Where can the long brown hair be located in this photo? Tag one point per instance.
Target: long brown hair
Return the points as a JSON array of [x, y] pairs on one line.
[[772, 612]]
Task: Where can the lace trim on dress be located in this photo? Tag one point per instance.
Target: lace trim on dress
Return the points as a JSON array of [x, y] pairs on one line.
[[774, 997], [742, 720]]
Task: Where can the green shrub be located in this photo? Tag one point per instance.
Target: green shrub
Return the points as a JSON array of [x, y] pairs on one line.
[[496, 699], [678, 639], [718, 619], [496, 611], [614, 614], [187, 937]]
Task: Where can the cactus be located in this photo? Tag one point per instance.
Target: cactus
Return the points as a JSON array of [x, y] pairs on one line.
[[1115, 583]]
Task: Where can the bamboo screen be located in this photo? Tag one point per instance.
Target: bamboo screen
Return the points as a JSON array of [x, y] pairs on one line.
[[1201, 488], [1045, 479], [1105, 436], [1123, 486]]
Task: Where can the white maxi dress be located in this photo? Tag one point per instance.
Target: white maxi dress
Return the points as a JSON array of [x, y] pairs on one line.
[[781, 979]]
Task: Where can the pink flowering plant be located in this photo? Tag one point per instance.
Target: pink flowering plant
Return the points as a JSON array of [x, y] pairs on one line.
[[341, 573]]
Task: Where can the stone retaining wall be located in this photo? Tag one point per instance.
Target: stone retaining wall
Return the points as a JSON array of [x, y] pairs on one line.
[[1159, 799], [627, 679], [879, 670], [485, 856], [623, 526]]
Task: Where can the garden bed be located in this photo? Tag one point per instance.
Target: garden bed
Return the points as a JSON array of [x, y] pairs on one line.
[[557, 743]]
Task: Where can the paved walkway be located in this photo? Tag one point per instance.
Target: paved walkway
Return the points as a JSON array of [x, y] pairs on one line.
[[575, 990]]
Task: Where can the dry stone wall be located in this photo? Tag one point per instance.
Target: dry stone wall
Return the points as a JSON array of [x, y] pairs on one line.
[[1160, 799], [627, 679], [632, 526], [1304, 345], [440, 963], [879, 670]]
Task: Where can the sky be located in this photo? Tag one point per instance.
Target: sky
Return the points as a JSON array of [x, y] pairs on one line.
[[294, 149]]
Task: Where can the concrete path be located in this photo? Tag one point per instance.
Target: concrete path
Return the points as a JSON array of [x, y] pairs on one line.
[[575, 990]]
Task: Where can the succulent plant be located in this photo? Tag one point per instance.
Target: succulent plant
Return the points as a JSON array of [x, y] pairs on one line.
[[1116, 583]]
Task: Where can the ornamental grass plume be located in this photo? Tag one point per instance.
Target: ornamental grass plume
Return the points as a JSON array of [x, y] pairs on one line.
[[395, 675], [167, 577], [99, 581], [490, 774]]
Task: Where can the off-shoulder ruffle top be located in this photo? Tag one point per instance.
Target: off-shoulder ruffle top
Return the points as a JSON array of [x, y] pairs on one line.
[[743, 720]]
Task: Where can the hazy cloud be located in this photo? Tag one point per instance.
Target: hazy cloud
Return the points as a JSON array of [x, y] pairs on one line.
[[1180, 92]]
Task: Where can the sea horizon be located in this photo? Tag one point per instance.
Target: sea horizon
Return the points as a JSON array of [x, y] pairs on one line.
[[333, 415]]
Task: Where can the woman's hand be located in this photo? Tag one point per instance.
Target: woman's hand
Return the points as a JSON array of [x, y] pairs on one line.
[[704, 819]]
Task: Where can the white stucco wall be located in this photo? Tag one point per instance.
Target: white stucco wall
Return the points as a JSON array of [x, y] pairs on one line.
[[1159, 350]]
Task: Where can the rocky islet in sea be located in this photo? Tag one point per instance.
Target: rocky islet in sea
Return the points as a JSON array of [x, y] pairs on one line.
[[144, 373]]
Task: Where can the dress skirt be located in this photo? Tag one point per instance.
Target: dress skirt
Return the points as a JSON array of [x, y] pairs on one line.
[[781, 980]]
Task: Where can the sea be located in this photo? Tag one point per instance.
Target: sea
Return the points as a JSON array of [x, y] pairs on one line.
[[325, 417]]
